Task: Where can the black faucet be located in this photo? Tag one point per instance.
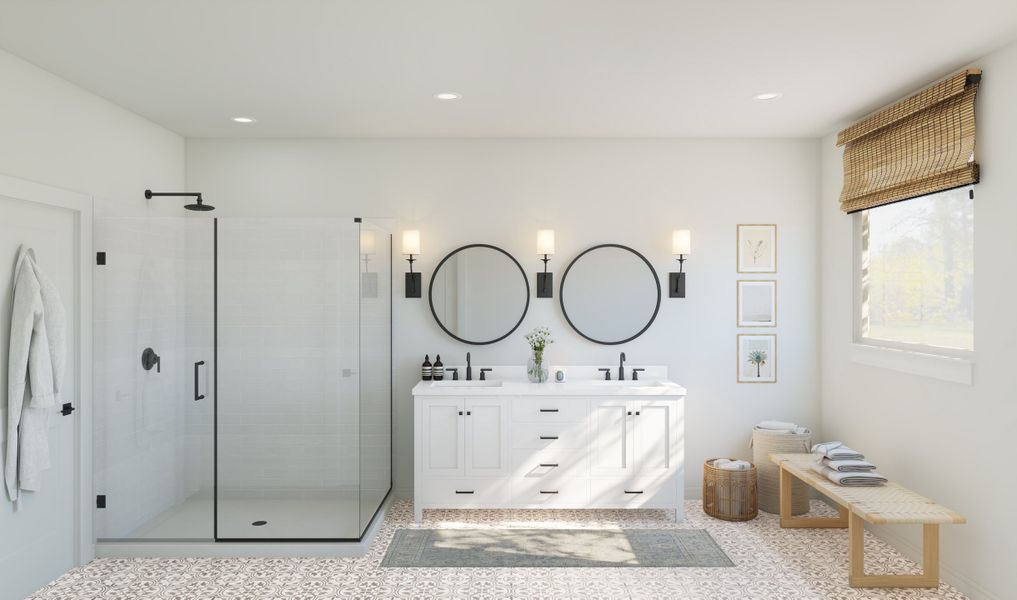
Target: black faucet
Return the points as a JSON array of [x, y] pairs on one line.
[[469, 368], [621, 367]]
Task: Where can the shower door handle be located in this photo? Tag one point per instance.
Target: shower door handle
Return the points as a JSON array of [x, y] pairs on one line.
[[196, 395]]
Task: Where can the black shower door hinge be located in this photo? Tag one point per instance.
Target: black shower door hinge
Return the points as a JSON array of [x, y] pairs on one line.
[[66, 409], [100, 501], [100, 258]]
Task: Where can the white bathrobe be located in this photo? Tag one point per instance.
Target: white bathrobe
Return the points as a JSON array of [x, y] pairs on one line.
[[34, 375]]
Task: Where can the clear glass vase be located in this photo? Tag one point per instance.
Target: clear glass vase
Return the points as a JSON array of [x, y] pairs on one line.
[[536, 367]]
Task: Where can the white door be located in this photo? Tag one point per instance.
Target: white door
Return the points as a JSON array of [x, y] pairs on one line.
[[486, 438], [443, 447], [655, 423], [611, 449], [40, 541]]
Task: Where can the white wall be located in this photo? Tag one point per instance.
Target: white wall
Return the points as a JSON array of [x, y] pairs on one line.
[[631, 192], [58, 134], [947, 441]]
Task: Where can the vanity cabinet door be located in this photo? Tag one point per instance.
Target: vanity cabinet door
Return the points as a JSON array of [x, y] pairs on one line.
[[655, 433], [611, 448], [444, 437], [487, 452]]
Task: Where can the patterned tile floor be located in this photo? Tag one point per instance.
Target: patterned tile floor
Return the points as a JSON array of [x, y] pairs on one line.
[[772, 564]]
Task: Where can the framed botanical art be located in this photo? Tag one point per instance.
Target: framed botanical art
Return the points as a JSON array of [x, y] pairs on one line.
[[757, 358], [757, 248], [757, 303]]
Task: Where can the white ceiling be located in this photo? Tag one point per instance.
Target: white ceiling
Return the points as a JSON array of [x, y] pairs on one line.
[[525, 68]]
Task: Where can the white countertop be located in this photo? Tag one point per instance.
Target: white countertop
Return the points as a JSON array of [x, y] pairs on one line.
[[651, 383]]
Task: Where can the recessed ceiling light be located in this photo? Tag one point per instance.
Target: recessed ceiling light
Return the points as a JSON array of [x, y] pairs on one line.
[[243, 120], [768, 96], [448, 96]]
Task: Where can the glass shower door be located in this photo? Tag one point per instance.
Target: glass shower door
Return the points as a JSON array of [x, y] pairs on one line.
[[153, 398], [288, 414]]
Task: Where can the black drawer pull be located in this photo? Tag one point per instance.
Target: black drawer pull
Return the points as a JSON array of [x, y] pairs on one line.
[[548, 437], [548, 491], [548, 464], [633, 491], [549, 410], [464, 491]]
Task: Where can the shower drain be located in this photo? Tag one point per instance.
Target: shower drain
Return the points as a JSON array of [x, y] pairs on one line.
[[259, 523]]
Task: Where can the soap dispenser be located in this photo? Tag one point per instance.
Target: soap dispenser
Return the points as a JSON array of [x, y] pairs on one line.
[[438, 370], [426, 370]]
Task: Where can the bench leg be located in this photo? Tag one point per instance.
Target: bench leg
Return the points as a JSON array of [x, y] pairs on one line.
[[856, 560], [788, 520]]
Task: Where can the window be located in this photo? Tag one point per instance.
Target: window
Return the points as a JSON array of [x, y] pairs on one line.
[[917, 283]]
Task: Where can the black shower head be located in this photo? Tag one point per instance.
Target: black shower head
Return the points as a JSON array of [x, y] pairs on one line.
[[199, 206]]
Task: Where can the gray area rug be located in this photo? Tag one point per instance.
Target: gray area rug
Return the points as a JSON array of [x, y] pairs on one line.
[[554, 548]]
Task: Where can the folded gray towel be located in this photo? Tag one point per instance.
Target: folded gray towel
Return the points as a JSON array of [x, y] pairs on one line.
[[849, 465], [837, 451], [869, 478]]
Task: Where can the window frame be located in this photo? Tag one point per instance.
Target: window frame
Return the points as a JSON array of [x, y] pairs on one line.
[[916, 350]]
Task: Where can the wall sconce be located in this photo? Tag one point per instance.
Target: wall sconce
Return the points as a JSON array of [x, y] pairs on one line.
[[411, 248], [681, 246], [545, 280], [368, 280]]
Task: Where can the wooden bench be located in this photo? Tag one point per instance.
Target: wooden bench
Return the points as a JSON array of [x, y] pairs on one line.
[[887, 504]]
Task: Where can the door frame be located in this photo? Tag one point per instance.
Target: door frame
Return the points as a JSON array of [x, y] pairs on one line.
[[81, 205]]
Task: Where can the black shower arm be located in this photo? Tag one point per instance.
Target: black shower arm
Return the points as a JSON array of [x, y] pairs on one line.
[[149, 194]]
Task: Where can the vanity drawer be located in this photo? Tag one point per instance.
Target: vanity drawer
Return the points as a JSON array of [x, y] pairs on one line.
[[464, 491], [554, 462], [635, 492], [555, 490], [550, 435], [537, 409]]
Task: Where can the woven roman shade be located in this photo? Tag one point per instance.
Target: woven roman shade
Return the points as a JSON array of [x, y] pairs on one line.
[[920, 145]]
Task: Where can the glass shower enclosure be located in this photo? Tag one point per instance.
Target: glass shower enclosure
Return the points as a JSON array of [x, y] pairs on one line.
[[243, 371]]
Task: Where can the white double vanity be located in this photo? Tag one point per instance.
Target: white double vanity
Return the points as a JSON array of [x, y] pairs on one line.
[[585, 443]]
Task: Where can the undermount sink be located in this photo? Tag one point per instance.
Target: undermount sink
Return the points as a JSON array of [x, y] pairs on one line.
[[466, 384], [629, 383]]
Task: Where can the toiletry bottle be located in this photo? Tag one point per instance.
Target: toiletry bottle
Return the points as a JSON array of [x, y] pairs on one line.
[[438, 370], [426, 369]]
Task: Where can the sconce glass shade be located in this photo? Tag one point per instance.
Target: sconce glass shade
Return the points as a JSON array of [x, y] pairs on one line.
[[411, 241], [367, 242], [545, 241], [681, 242]]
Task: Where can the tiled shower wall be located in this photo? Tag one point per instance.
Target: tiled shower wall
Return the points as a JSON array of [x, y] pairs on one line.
[[288, 357]]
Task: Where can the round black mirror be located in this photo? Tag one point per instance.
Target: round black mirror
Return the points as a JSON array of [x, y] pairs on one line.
[[610, 294], [479, 294]]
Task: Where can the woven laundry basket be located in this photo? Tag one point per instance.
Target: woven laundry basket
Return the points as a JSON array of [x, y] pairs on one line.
[[768, 474], [729, 495]]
